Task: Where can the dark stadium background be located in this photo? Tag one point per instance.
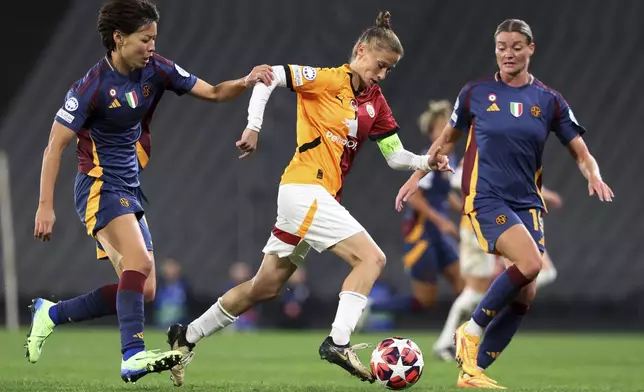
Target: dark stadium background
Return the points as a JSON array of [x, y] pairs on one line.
[[207, 209]]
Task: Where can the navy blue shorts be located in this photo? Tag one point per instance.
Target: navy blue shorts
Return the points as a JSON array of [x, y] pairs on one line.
[[491, 220], [426, 258], [98, 202]]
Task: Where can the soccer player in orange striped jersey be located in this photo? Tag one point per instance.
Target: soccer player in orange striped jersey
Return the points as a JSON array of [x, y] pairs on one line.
[[338, 109], [502, 188]]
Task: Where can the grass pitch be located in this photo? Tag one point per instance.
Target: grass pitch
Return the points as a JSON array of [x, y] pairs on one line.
[[76, 359]]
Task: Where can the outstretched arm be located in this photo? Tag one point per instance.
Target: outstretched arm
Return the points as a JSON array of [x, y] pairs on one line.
[[436, 159], [261, 94], [400, 159], [589, 169], [231, 89]]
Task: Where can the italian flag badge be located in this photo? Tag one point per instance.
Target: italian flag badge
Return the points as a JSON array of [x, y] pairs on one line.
[[516, 108], [132, 99]]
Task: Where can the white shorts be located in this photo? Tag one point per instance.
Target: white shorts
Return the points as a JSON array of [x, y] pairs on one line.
[[475, 262], [308, 217]]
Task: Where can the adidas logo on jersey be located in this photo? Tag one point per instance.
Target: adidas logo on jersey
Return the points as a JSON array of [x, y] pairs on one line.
[[115, 104], [493, 108]]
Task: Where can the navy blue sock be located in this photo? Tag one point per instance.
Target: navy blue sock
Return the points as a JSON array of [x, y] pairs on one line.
[[503, 290], [129, 307], [98, 303], [398, 303], [500, 332]]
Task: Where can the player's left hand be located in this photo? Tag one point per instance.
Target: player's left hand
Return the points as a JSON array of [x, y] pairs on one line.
[[598, 186], [261, 73], [406, 191], [248, 142]]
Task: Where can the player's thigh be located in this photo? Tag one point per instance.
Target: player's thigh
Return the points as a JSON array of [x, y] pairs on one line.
[[123, 234], [311, 214], [533, 222], [336, 230], [517, 245], [359, 248], [501, 230], [271, 276], [106, 250], [111, 214]]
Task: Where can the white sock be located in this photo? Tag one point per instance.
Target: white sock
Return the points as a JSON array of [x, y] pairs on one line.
[[472, 328], [214, 319], [546, 277], [460, 311], [349, 311]]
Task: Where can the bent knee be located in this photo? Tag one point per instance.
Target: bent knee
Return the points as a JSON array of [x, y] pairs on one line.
[[376, 258], [530, 266], [138, 261]]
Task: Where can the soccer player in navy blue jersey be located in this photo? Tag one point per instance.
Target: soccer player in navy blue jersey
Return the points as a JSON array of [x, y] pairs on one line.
[[508, 118], [109, 112]]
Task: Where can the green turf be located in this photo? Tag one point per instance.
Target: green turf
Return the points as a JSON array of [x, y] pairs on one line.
[[77, 359]]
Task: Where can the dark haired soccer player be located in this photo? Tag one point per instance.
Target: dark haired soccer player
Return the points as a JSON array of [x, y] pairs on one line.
[[109, 112]]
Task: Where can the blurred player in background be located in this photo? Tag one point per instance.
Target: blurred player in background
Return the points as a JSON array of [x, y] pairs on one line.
[[509, 118], [109, 111], [478, 269], [548, 272], [430, 236], [338, 109]]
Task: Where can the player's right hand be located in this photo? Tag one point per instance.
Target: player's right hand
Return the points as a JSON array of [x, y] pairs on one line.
[[260, 74], [44, 225], [439, 162], [405, 192], [248, 142]]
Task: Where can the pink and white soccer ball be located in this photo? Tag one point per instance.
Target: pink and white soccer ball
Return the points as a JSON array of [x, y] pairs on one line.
[[397, 363]]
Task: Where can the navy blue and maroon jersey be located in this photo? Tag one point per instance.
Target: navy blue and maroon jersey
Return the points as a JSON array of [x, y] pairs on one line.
[[111, 114], [436, 188], [508, 128]]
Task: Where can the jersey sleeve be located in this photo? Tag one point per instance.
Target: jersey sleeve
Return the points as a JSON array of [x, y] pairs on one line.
[[385, 124], [174, 78], [79, 103], [312, 80], [461, 117], [564, 123]]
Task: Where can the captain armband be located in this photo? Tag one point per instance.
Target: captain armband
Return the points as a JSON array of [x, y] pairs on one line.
[[400, 159], [390, 145]]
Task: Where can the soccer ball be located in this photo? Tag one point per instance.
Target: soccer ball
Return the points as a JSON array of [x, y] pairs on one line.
[[397, 363]]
